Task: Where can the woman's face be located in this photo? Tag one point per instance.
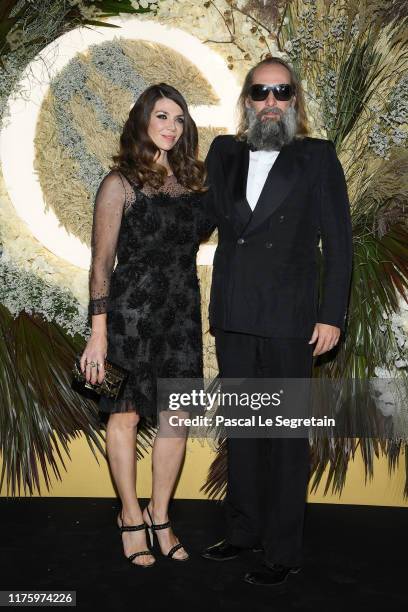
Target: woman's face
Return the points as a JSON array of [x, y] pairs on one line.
[[166, 124]]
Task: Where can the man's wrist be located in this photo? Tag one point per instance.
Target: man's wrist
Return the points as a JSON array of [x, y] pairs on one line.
[[329, 324]]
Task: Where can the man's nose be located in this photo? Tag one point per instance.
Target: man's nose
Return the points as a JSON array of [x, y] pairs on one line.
[[270, 100]]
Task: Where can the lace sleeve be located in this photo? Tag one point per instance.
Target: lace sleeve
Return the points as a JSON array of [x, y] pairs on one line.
[[107, 218]]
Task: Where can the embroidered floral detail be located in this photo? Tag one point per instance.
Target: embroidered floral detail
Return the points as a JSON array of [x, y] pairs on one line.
[[171, 233], [184, 236], [137, 298], [194, 337], [118, 286], [193, 282], [170, 368], [196, 316], [193, 371], [145, 327], [157, 258], [156, 344], [185, 213], [181, 301], [149, 225], [117, 322], [186, 262], [144, 370], [168, 318], [175, 341], [130, 346], [158, 298]]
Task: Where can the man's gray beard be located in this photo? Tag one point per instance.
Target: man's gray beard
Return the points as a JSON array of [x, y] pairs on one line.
[[271, 134]]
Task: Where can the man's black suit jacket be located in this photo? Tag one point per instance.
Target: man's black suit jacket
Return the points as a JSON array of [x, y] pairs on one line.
[[266, 266]]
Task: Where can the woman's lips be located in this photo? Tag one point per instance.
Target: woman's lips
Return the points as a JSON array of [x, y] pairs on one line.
[[169, 138]]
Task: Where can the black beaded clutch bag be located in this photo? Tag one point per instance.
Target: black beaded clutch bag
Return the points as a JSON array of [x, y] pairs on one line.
[[112, 384]]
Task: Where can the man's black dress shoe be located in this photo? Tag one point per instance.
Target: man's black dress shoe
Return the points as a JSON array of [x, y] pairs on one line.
[[271, 575], [221, 551]]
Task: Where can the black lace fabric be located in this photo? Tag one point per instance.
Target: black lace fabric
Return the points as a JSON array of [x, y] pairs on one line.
[[152, 296], [113, 198]]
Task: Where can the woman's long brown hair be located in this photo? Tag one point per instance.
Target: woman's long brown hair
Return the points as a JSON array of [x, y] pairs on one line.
[[137, 150]]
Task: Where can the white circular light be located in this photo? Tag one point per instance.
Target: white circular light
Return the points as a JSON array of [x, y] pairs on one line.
[[17, 138]]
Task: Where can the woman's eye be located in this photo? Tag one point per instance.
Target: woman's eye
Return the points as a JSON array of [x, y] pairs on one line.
[[161, 116], [181, 120]]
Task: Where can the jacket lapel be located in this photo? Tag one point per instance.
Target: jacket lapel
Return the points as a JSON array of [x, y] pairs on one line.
[[287, 169], [282, 177], [235, 167]]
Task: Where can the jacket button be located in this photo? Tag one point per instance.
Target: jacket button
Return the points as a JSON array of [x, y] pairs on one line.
[[240, 241], [268, 245], [281, 218]]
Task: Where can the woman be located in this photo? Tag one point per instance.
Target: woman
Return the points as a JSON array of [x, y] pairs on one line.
[[149, 211]]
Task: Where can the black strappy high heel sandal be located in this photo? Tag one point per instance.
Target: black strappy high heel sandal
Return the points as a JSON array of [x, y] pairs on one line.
[[142, 552], [154, 527]]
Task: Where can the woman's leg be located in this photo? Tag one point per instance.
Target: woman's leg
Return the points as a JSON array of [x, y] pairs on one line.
[[168, 453], [121, 433]]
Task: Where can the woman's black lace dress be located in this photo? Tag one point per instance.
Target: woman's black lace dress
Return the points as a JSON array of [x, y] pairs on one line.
[[152, 297]]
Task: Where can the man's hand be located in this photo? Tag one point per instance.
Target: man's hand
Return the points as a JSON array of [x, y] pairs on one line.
[[327, 336]]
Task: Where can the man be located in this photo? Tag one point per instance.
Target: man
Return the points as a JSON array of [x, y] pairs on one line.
[[276, 192]]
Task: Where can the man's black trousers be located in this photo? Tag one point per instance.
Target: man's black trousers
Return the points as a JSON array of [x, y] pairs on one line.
[[267, 477]]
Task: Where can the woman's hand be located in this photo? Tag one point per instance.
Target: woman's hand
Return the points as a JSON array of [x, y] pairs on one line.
[[95, 352]]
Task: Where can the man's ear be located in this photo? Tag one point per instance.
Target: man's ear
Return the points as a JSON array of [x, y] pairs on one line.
[[293, 100], [247, 103]]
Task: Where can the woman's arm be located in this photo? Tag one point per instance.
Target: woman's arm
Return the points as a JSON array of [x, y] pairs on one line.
[[107, 218]]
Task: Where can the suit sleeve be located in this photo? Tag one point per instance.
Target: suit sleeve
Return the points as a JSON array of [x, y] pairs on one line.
[[336, 236]]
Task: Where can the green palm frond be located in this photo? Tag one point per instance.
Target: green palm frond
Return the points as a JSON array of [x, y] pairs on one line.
[[24, 17], [356, 74], [114, 7], [216, 483], [380, 276], [40, 414]]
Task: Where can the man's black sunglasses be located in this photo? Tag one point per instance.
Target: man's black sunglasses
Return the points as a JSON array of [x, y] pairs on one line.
[[282, 92]]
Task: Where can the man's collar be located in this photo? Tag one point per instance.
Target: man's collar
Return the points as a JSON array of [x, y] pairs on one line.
[[251, 147]]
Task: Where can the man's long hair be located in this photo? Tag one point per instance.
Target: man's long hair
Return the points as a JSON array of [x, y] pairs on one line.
[[302, 123], [137, 150]]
